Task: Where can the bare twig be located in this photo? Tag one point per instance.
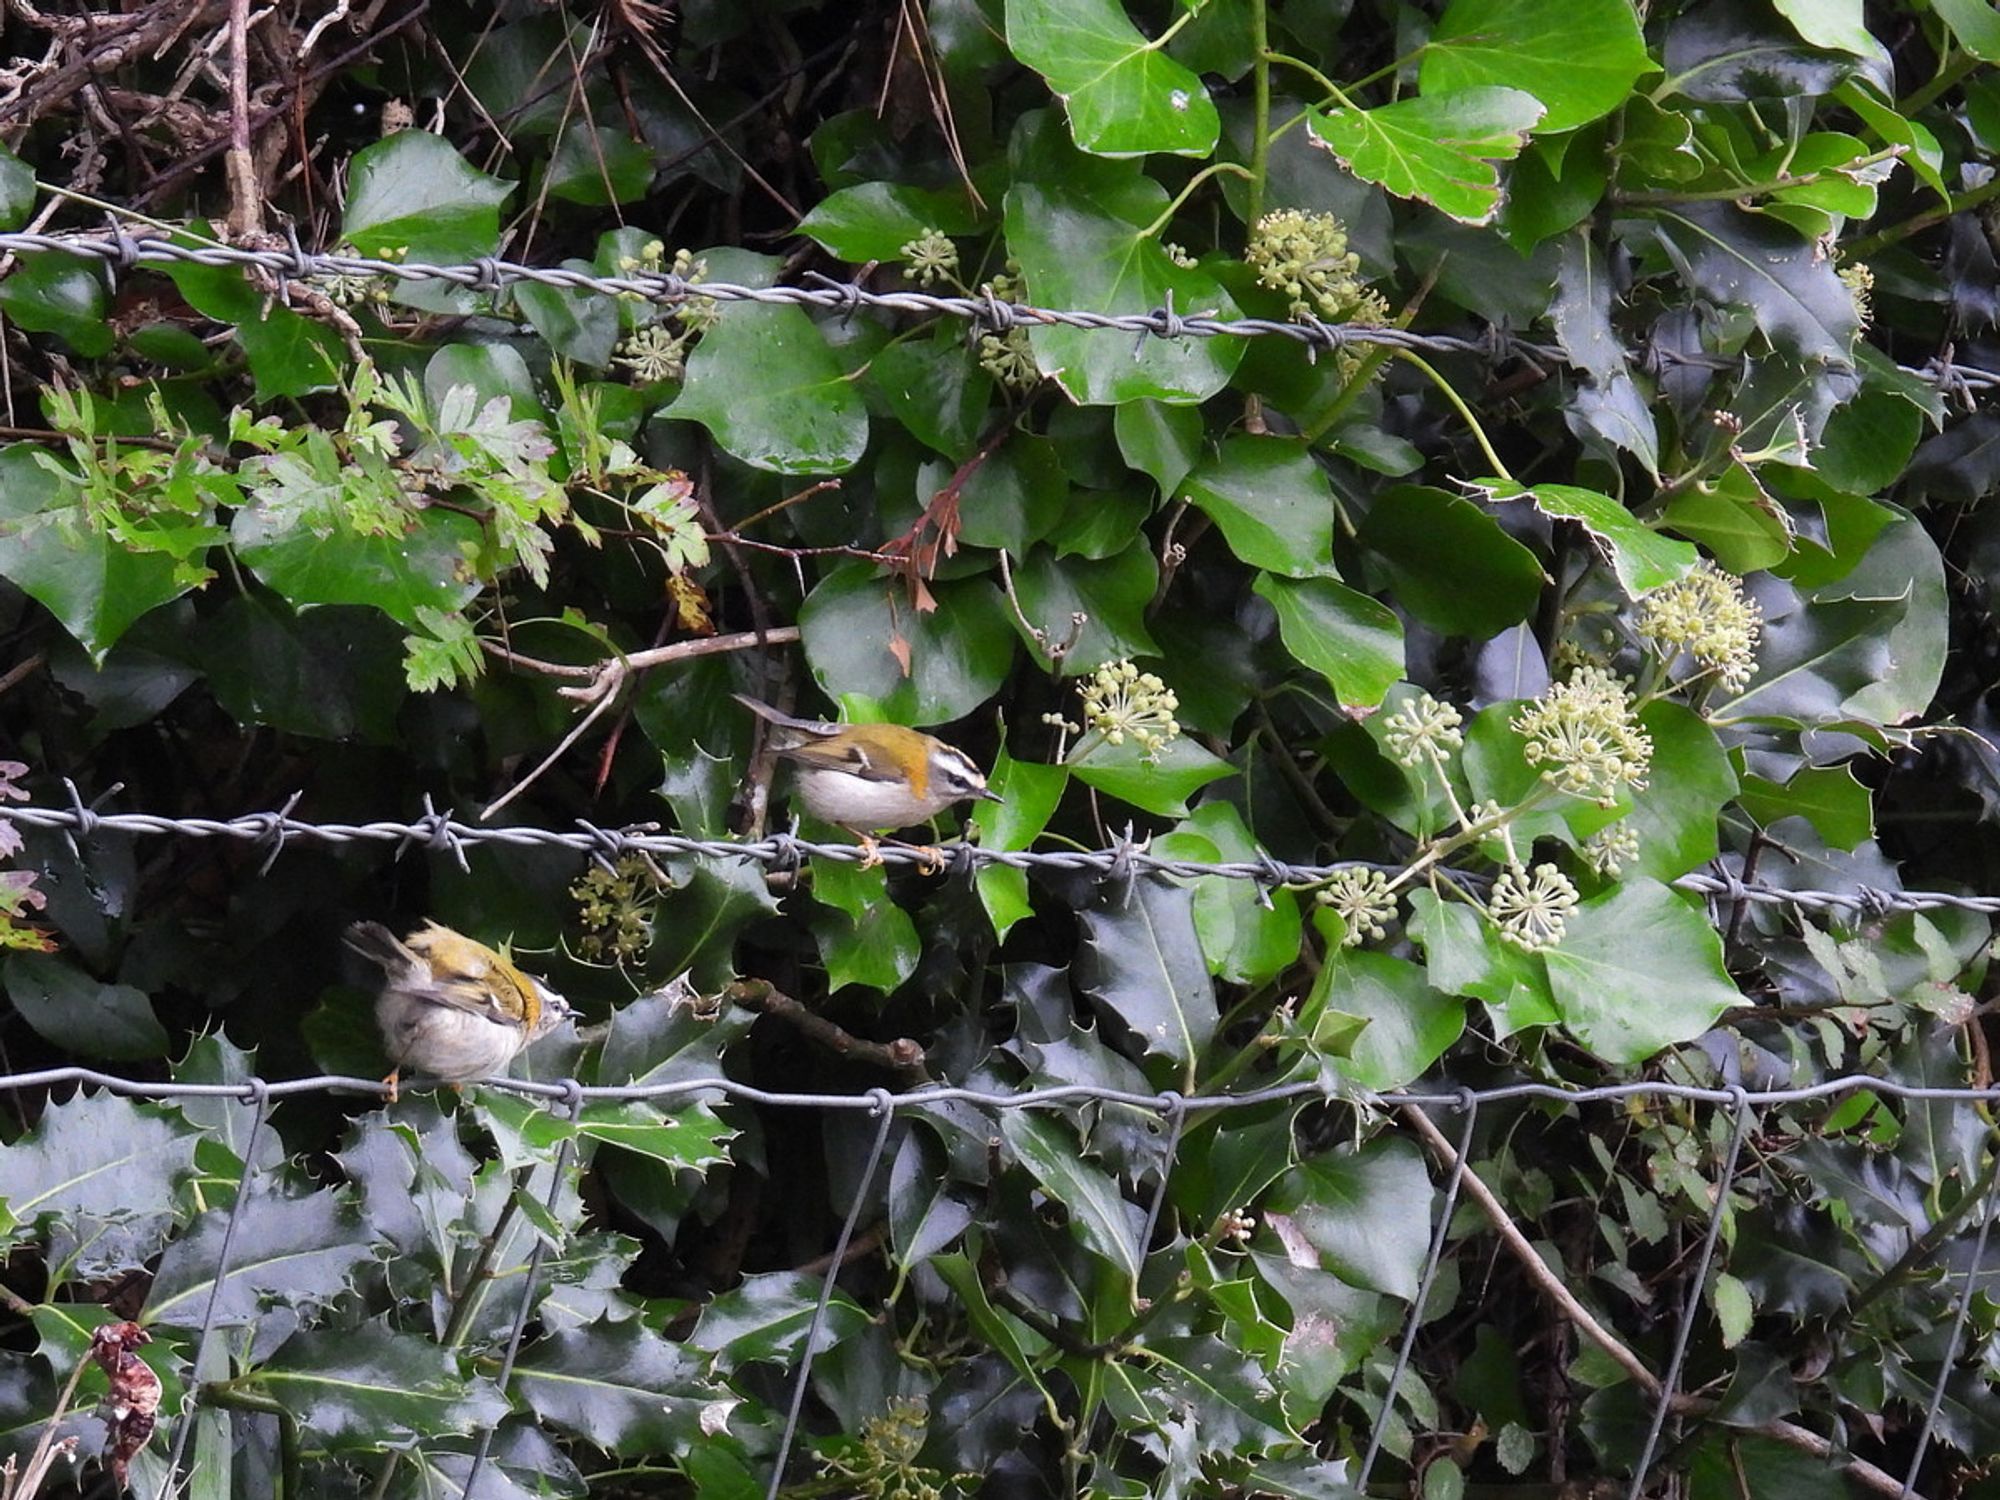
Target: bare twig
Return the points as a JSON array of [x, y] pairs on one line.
[[903, 1057], [246, 202]]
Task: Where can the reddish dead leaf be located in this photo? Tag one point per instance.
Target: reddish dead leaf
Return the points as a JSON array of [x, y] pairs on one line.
[[133, 1401]]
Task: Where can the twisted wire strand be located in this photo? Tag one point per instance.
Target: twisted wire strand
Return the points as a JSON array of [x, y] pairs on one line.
[[119, 251], [441, 833]]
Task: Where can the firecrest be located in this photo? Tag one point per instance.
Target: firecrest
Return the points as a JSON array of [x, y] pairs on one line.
[[867, 778], [452, 1007]]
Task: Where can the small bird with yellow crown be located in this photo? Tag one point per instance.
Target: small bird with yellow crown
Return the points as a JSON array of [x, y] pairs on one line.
[[452, 1007], [871, 778]]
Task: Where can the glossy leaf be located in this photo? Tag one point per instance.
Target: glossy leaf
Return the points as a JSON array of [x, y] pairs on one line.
[[1579, 60], [1380, 1249], [1605, 974], [1125, 96], [1449, 562], [1078, 228], [1353, 642], [1440, 148], [1141, 962], [359, 1388], [1270, 501], [857, 626], [1641, 558], [413, 195]]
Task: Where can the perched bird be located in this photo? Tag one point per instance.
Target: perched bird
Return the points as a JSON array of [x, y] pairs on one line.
[[450, 1006], [869, 778]]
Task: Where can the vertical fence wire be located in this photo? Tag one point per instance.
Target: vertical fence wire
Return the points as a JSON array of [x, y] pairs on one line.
[[885, 1111], [1174, 1107], [1670, 1381], [1950, 1355], [1469, 1103], [530, 1281], [257, 1093]]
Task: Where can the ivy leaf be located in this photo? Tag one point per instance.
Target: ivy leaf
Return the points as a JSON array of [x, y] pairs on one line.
[[1449, 563], [1271, 501], [17, 191], [1348, 638], [93, 586], [425, 568], [864, 938], [764, 383], [1126, 97], [1029, 795], [1367, 1213], [957, 653], [1640, 557], [1465, 955], [1159, 786], [367, 1387], [1111, 594], [1605, 975], [1676, 813], [53, 292], [1248, 935], [412, 195], [872, 221], [1578, 57], [1080, 229], [76, 1012], [1409, 1023], [1439, 148]]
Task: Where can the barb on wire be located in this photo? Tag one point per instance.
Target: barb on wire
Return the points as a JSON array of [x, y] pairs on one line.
[[441, 832], [120, 251]]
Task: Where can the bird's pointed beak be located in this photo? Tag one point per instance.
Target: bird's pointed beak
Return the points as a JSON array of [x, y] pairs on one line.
[[987, 794]]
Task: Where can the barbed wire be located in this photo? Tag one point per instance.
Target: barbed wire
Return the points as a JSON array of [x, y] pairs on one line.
[[118, 251], [441, 833], [569, 1092]]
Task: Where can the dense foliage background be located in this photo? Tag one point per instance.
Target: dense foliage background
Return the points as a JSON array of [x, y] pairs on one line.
[[1651, 544]]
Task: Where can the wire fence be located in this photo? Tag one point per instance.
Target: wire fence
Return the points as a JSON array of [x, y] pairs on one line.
[[118, 251], [441, 833], [569, 1096]]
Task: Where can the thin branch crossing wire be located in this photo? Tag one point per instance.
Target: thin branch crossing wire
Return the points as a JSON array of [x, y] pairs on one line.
[[441, 833], [119, 251]]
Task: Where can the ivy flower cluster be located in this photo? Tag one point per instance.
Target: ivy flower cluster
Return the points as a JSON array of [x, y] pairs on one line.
[[1120, 701], [1008, 357], [883, 1465], [1706, 615], [1364, 901], [1585, 735], [1423, 729], [658, 351], [932, 257], [1305, 256], [1532, 910], [615, 907]]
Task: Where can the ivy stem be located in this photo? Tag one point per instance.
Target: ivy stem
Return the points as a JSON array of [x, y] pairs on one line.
[[1867, 245], [1753, 189], [1212, 170], [1464, 411], [1260, 127], [1333, 90]]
